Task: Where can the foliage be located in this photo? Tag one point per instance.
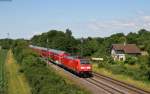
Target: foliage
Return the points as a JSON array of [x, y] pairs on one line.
[[90, 47], [131, 60], [110, 60], [142, 39], [148, 74], [56, 40], [42, 79], [148, 63], [3, 82], [6, 43], [138, 71]]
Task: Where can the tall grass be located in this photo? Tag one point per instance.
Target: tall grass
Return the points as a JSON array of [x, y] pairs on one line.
[[3, 85], [17, 83]]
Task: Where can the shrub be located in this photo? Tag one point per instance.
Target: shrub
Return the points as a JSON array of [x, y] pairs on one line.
[[110, 60], [148, 63], [21, 70], [130, 60], [101, 64], [148, 74]]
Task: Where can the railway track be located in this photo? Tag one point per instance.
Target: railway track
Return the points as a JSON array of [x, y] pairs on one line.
[[114, 86], [106, 87], [109, 85]]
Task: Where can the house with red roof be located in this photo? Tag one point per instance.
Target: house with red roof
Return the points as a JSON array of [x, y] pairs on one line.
[[119, 51]]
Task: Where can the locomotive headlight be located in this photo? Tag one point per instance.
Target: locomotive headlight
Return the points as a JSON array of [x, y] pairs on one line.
[[82, 67], [88, 67]]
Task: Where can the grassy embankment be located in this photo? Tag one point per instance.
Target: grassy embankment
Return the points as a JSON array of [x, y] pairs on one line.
[[42, 80], [3, 54], [124, 78], [17, 83]]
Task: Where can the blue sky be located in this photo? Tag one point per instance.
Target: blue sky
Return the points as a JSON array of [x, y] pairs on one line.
[[96, 18]]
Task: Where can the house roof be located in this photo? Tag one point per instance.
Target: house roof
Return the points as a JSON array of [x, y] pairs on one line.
[[127, 48]]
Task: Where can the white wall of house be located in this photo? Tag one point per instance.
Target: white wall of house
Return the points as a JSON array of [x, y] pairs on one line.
[[117, 55]]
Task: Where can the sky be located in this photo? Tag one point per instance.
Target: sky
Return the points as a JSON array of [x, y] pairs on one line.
[[95, 18]]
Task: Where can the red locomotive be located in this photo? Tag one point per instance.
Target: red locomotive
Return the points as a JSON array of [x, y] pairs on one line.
[[79, 66]]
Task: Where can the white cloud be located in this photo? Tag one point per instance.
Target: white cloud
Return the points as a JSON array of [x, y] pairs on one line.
[[128, 25], [121, 24], [96, 25], [146, 18]]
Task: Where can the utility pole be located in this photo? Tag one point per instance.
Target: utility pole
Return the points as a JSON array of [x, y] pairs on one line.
[[8, 40], [8, 35], [47, 51], [125, 40], [82, 47]]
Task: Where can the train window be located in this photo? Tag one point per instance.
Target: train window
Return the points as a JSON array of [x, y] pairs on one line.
[[84, 61]]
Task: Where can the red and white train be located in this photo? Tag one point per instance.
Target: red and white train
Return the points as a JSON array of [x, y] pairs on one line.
[[79, 66]]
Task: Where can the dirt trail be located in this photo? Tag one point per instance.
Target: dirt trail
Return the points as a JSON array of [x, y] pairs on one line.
[[17, 84]]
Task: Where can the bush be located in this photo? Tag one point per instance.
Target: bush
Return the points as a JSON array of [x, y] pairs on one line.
[[101, 64], [131, 60], [111, 61], [118, 69], [148, 74], [21, 71], [139, 73], [148, 63]]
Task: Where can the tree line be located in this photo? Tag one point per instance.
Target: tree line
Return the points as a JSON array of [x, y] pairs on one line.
[[91, 46]]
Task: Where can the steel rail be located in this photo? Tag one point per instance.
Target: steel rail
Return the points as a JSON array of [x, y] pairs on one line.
[[104, 86], [122, 84]]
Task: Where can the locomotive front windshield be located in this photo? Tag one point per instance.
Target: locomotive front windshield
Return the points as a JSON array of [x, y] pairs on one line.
[[84, 62]]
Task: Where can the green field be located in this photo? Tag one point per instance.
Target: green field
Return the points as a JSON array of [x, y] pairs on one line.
[[3, 54]]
